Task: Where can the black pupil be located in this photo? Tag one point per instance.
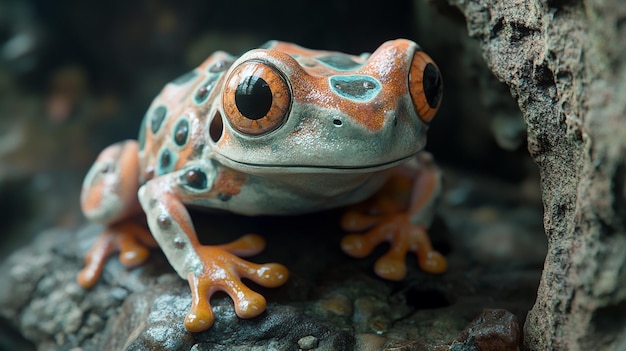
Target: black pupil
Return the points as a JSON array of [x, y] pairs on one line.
[[253, 97], [432, 85]]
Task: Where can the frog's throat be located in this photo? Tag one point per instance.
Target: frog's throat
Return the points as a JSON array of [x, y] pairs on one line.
[[249, 167]]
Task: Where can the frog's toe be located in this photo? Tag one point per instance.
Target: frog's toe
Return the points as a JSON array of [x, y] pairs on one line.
[[391, 267], [200, 316], [247, 245], [354, 221], [131, 240], [223, 271], [403, 237], [358, 245], [432, 262]]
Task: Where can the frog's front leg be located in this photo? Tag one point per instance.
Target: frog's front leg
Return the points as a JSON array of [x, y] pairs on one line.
[[208, 269], [109, 196], [392, 217]]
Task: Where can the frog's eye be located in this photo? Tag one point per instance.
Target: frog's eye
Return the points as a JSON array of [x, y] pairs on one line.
[[256, 98], [425, 85]]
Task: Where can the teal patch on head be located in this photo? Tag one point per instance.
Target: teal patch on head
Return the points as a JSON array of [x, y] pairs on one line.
[[356, 87], [339, 62]]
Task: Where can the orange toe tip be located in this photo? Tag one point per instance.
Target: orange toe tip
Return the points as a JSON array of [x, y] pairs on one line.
[[390, 269], [247, 245], [86, 278], [251, 308], [435, 263], [252, 240], [199, 322], [272, 275], [134, 258], [353, 245], [354, 221]]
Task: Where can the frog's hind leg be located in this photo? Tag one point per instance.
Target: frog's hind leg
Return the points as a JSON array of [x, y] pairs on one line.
[[109, 196], [400, 215]]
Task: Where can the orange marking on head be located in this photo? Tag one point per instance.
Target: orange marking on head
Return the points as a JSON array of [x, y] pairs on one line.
[[229, 182], [310, 85]]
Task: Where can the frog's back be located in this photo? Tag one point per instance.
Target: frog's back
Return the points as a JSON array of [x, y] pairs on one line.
[[174, 129]]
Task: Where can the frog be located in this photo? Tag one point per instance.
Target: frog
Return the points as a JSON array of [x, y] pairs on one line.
[[278, 130]]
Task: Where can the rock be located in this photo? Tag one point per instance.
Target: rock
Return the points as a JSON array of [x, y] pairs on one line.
[[564, 64], [346, 308], [493, 330], [308, 342]]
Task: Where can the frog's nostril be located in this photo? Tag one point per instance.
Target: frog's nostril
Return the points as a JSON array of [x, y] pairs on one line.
[[216, 128]]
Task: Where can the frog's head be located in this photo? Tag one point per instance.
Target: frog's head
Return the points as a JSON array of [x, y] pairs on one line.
[[286, 108]]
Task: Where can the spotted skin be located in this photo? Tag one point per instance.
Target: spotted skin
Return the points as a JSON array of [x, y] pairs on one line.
[[279, 130]]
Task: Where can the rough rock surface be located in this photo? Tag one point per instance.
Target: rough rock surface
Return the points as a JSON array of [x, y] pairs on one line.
[[564, 63], [331, 302]]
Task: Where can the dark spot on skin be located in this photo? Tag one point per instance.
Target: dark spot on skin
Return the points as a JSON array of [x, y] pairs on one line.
[[195, 178], [253, 97], [219, 66], [224, 197], [107, 168], [181, 132], [202, 93], [164, 221], [179, 244], [205, 90], [185, 78], [340, 62], [166, 159], [157, 118], [433, 87]]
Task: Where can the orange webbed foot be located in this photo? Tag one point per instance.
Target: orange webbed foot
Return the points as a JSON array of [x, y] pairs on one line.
[[224, 271], [133, 242], [402, 235]]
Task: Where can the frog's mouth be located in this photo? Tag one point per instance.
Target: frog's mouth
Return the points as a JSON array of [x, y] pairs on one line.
[[251, 167]]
